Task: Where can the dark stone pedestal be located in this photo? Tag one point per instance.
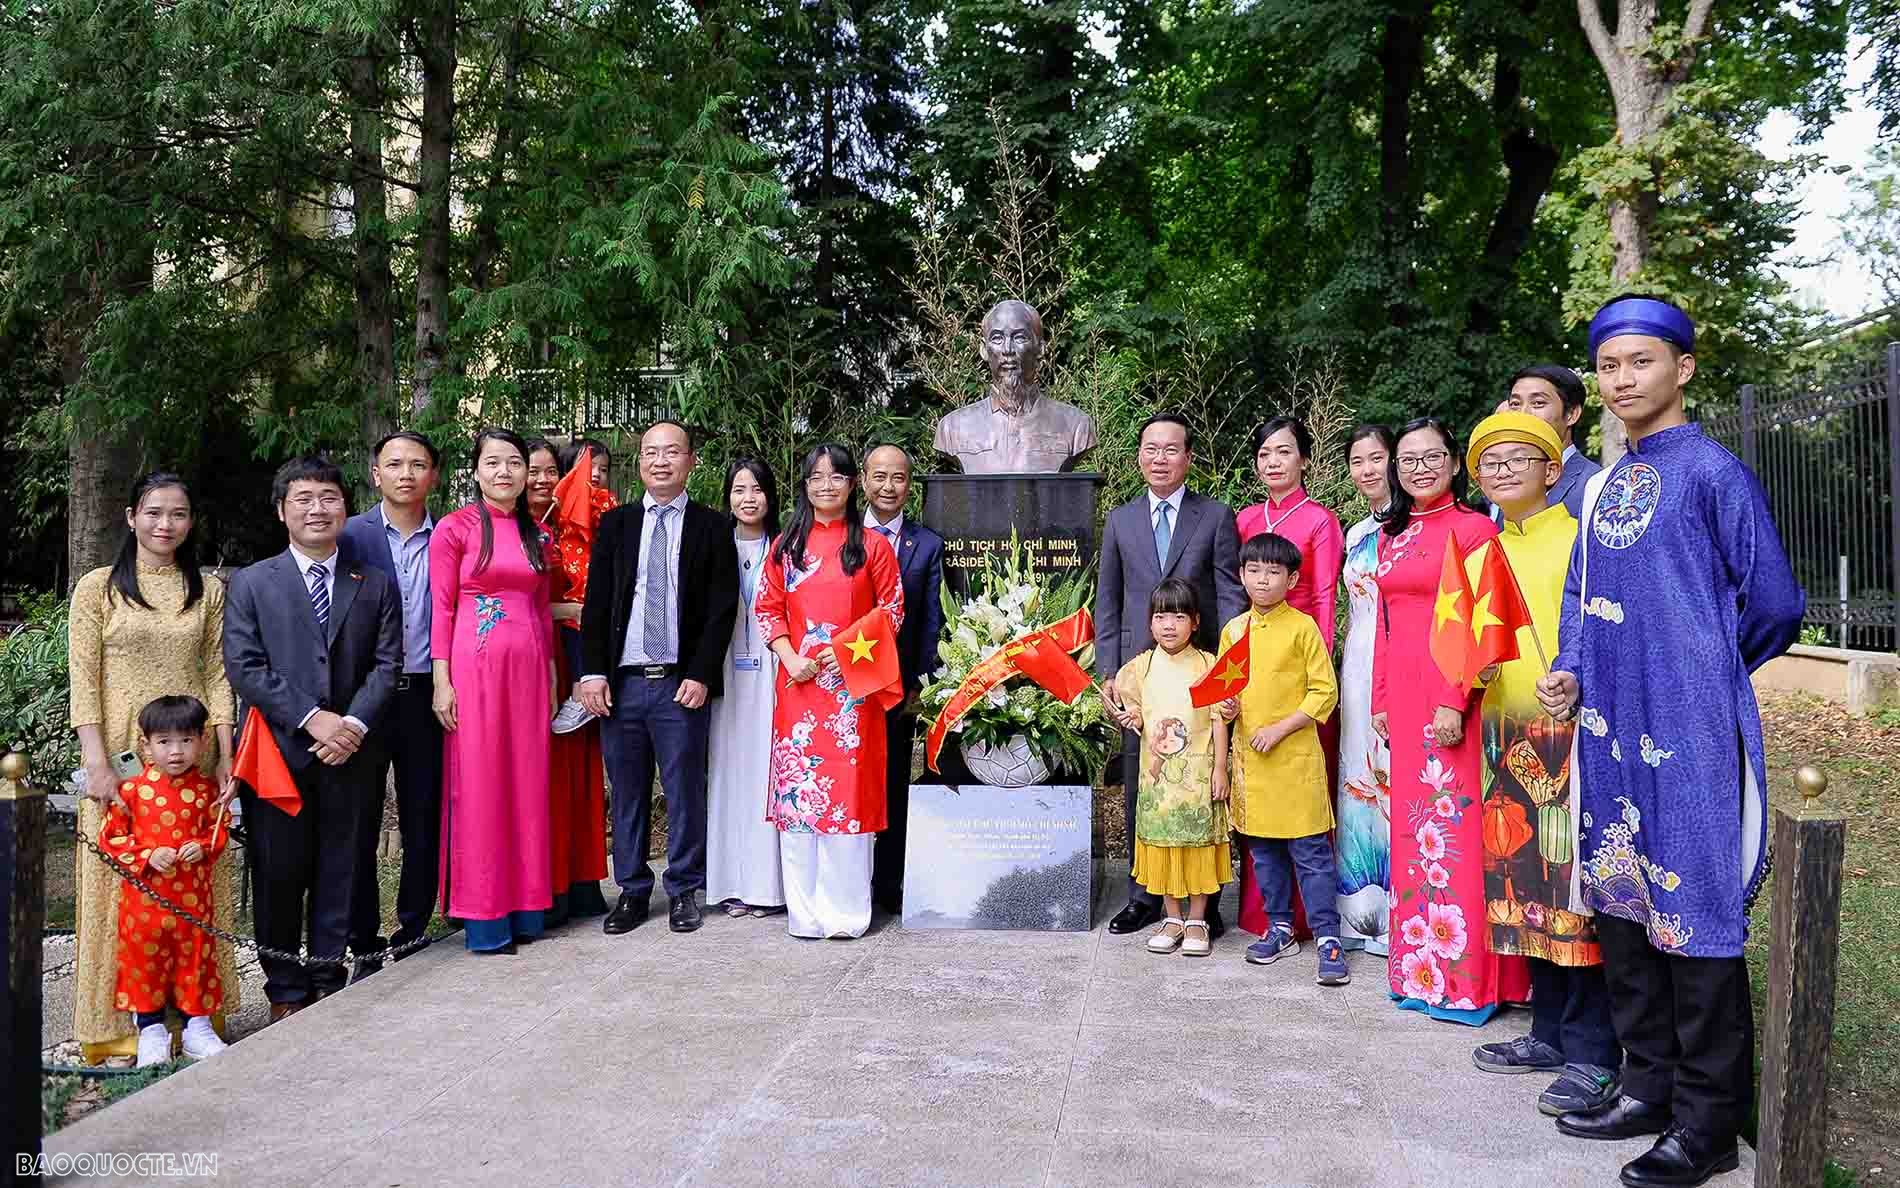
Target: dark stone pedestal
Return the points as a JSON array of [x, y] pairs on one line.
[[1051, 515], [22, 916], [984, 857]]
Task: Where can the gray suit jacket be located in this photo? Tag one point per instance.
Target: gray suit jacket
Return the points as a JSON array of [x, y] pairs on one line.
[[1569, 488], [1205, 551], [280, 661]]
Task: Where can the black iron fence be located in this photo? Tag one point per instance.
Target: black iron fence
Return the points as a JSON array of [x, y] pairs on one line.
[[562, 401], [1829, 456]]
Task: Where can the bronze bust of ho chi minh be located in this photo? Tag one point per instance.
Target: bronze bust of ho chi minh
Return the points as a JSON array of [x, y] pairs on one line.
[[1015, 428]]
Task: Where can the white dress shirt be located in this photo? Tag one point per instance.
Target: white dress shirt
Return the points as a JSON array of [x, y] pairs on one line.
[[1174, 508], [895, 527], [635, 650], [304, 563]]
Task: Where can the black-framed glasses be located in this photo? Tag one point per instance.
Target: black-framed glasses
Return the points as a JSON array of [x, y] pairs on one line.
[[1517, 464], [1435, 460]]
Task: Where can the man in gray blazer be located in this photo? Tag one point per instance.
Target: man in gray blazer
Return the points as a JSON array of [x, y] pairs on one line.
[[1553, 394], [314, 641], [1168, 532]]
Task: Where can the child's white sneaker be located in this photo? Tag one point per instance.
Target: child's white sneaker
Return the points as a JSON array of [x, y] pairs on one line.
[[572, 716], [155, 1045], [200, 1040]]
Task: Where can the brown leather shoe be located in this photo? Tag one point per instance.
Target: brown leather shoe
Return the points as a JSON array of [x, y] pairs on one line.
[[280, 1011]]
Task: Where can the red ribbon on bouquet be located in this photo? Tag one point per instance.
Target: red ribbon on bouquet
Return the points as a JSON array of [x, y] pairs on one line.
[[1041, 655]]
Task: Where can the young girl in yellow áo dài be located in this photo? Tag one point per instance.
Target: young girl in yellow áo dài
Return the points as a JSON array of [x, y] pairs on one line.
[[1181, 846]]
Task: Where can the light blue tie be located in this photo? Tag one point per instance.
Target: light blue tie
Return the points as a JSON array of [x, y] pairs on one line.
[[657, 632], [1164, 535]]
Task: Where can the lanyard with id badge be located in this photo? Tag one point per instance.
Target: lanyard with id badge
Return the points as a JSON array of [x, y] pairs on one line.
[[746, 657]]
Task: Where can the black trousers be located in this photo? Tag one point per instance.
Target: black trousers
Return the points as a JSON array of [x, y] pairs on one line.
[[649, 730], [1570, 1011], [1687, 1026], [887, 859], [414, 743], [304, 871]]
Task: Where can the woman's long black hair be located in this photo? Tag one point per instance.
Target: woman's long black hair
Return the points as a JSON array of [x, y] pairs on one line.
[[762, 475], [524, 522], [791, 543], [125, 567], [1397, 515]]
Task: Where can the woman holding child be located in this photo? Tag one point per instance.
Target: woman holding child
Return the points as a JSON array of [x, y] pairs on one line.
[[148, 625]]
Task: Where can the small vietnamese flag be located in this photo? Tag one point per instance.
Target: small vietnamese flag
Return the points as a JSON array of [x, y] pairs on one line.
[[1228, 676], [261, 765], [867, 659], [1040, 658], [1452, 644], [1498, 609]]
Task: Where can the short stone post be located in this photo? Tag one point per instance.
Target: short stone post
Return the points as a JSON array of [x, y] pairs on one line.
[[23, 896], [1810, 843]]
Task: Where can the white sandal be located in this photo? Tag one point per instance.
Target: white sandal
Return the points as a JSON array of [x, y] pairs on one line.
[[1165, 941], [1196, 946]]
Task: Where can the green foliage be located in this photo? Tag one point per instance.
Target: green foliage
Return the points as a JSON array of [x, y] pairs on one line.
[[34, 691]]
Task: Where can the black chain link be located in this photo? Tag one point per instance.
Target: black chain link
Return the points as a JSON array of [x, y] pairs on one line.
[[242, 942]]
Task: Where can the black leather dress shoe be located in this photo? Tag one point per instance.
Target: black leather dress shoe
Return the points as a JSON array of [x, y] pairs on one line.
[[1681, 1157], [628, 914], [1133, 918], [682, 913], [1623, 1118]]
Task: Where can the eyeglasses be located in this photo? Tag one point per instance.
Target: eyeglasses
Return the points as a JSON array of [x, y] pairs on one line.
[[306, 502], [671, 453], [1151, 453], [823, 481], [1433, 461], [1499, 467]]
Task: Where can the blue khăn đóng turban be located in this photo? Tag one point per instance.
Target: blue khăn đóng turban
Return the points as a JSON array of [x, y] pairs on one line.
[[1642, 315]]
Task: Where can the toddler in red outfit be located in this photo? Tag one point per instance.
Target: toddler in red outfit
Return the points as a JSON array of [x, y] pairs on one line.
[[168, 828]]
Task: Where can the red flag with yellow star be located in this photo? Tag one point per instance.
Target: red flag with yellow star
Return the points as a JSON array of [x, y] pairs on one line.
[[867, 659], [1452, 643], [1498, 609], [1228, 676]]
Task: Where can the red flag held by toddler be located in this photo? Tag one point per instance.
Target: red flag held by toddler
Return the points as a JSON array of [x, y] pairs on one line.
[[261, 765]]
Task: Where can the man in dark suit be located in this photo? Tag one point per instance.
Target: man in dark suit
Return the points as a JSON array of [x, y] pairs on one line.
[[314, 641], [393, 536], [661, 592], [1168, 532], [920, 563]]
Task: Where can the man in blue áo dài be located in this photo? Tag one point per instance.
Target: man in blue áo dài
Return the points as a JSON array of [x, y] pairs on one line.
[[1678, 589]]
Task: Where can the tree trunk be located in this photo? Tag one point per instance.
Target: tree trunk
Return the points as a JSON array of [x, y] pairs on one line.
[[371, 275], [433, 31], [487, 234], [105, 454], [1529, 163], [1642, 83], [1401, 60]]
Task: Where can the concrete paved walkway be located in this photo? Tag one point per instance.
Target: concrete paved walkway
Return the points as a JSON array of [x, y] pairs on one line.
[[739, 1056]]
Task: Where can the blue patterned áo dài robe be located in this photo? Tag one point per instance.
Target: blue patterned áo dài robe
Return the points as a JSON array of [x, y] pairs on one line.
[[1678, 589]]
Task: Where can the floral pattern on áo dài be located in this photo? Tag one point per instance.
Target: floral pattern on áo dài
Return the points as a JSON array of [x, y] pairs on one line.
[[827, 762], [1433, 935], [488, 616]]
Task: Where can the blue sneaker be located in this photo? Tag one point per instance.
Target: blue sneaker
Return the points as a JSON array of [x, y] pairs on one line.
[[1276, 944], [1332, 963]]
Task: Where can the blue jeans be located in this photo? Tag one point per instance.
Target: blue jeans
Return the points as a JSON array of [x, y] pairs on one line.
[[1275, 859], [648, 729]]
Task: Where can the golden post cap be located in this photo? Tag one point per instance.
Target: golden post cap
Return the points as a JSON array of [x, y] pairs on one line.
[[13, 766], [1812, 781]]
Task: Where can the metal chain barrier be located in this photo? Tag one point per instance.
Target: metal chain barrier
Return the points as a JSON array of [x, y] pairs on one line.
[[305, 958]]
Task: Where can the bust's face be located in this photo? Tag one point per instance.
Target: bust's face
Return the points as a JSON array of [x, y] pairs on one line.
[[1011, 346]]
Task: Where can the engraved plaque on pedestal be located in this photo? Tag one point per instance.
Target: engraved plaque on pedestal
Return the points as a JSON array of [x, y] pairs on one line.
[[1051, 515]]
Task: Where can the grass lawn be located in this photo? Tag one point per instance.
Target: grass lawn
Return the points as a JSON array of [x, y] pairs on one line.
[[1862, 760]]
